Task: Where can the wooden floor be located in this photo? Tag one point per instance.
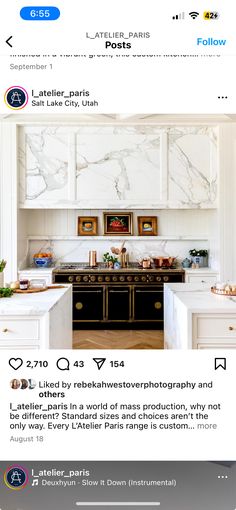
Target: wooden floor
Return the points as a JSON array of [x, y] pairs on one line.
[[118, 339]]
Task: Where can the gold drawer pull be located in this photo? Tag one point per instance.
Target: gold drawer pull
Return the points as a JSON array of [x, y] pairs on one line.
[[5, 330], [79, 306], [157, 305], [231, 328]]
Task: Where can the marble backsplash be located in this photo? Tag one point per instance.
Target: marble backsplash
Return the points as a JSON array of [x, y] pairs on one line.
[[78, 251]]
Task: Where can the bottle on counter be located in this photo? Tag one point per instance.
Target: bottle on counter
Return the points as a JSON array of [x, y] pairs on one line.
[[24, 283]]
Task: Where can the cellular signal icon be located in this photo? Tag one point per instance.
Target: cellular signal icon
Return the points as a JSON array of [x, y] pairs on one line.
[[181, 15]]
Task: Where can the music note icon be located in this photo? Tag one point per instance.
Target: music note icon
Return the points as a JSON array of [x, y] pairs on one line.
[[35, 482]]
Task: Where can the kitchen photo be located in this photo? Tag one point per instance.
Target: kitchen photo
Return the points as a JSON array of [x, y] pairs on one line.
[[117, 231]]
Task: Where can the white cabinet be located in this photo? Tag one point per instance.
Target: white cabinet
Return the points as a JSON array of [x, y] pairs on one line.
[[214, 331], [135, 167], [21, 333], [203, 275], [34, 274], [37, 321], [195, 318]]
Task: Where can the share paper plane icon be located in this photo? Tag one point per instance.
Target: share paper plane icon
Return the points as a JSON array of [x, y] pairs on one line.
[[100, 362]]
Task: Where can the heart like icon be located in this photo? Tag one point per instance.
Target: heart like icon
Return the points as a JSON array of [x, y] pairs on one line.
[[15, 363]]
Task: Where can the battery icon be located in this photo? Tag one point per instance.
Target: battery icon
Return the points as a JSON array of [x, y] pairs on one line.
[[211, 15]]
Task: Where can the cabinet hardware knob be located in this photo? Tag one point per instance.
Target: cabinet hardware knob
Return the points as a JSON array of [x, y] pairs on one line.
[[79, 305], [5, 330], [203, 281], [231, 328], [157, 305]]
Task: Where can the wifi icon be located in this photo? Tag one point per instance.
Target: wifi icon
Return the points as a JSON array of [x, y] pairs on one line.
[[194, 14]]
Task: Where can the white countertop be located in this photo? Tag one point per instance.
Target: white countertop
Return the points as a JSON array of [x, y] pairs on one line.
[[38, 270], [201, 270], [198, 298], [38, 303]]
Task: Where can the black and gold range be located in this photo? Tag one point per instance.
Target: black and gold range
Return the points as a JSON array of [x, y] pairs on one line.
[[123, 299]]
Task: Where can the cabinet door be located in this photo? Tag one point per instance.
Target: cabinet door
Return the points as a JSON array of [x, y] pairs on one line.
[[119, 166], [118, 304], [148, 304], [88, 304], [47, 166], [192, 167]]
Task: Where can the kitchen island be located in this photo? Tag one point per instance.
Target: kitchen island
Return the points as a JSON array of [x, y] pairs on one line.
[[195, 318], [41, 320]]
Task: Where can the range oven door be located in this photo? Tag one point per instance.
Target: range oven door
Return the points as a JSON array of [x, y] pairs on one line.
[[88, 304], [148, 304]]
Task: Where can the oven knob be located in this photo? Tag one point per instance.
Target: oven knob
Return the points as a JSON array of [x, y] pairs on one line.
[[78, 278], [144, 279], [107, 279], [99, 278], [85, 278], [166, 278], [136, 278], [151, 278], [70, 278], [129, 278], [158, 278], [93, 278], [122, 278], [114, 278]]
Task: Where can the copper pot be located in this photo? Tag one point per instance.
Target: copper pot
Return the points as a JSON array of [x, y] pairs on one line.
[[160, 262]]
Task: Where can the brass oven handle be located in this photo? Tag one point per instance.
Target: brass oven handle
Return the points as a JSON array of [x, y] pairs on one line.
[[89, 291], [149, 291], [118, 291]]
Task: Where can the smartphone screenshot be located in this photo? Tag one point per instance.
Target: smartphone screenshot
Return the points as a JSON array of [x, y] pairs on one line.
[[117, 255]]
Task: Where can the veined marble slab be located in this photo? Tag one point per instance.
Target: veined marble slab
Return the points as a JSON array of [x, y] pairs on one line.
[[198, 298], [192, 172], [181, 302], [118, 167], [32, 304]]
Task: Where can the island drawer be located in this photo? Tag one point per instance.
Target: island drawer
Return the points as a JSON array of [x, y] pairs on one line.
[[214, 327], [15, 329], [201, 278]]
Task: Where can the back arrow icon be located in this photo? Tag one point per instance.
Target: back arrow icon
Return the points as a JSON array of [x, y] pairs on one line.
[[7, 41]]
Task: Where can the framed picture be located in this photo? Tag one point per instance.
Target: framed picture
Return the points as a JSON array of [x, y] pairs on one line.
[[147, 225], [87, 225], [118, 223]]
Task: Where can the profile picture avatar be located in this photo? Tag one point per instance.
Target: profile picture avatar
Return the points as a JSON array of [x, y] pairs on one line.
[[16, 97], [16, 477]]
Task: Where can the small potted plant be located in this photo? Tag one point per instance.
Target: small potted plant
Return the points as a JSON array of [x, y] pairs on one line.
[[110, 260], [199, 257], [2, 267]]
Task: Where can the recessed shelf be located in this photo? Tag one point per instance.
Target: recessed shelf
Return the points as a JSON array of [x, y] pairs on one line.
[[115, 238]]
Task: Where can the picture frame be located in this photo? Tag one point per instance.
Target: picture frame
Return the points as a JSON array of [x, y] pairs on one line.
[[147, 225], [87, 225], [118, 223]]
